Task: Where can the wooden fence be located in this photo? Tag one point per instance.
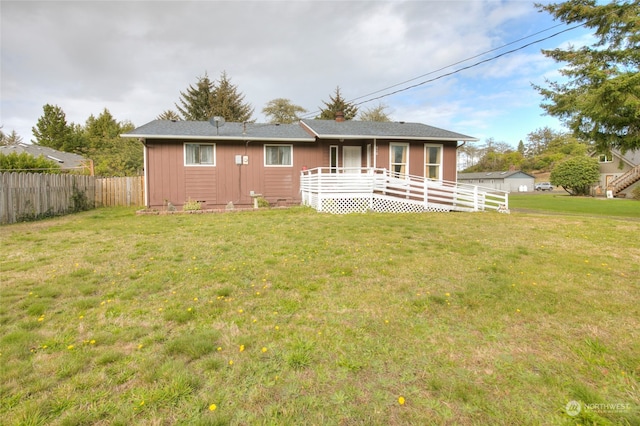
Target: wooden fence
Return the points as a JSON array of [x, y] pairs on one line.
[[120, 191], [29, 196]]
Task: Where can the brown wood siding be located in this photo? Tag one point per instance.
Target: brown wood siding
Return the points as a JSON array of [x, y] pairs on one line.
[[170, 180], [200, 185], [416, 157], [166, 174]]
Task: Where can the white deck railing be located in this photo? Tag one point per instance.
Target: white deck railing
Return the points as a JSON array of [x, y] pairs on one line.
[[348, 190]]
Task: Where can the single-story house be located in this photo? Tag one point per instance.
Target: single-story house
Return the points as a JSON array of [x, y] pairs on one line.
[[511, 181], [619, 173], [66, 160], [235, 162]]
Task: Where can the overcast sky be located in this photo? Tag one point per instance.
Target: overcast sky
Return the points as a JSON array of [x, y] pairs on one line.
[[135, 57]]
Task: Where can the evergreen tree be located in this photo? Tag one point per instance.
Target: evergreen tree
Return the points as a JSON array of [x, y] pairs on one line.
[[196, 102], [11, 139], [601, 99], [208, 99], [228, 103], [281, 110], [337, 104], [52, 129], [377, 113], [111, 154], [168, 115]]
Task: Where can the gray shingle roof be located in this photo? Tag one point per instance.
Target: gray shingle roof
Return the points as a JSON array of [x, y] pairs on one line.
[[204, 130], [324, 129], [492, 175], [66, 160], [351, 129]]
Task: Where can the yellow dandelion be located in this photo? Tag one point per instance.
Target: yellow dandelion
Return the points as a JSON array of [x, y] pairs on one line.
[[241, 348], [70, 347], [140, 346], [264, 350], [277, 327], [92, 342], [401, 400], [195, 299], [41, 319], [212, 407], [189, 310], [219, 349], [230, 362], [240, 311], [141, 403], [447, 294]]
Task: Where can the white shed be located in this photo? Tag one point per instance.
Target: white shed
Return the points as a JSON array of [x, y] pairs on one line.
[[512, 181]]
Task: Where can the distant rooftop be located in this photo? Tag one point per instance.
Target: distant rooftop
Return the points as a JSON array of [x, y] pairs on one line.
[[66, 160], [491, 175]]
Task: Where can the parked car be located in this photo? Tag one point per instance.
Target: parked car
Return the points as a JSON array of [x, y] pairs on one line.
[[544, 186]]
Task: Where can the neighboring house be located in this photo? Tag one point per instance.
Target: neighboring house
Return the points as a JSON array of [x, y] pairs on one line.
[[233, 163], [66, 160], [619, 173], [511, 181]]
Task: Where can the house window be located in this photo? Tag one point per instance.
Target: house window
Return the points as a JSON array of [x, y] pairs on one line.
[[433, 161], [278, 155], [333, 158], [605, 158], [199, 154], [399, 159]]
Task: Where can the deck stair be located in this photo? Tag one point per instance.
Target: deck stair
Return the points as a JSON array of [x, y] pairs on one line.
[[341, 190], [624, 181]]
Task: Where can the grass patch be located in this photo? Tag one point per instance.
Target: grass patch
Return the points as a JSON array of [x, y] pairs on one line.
[[290, 317], [564, 203]]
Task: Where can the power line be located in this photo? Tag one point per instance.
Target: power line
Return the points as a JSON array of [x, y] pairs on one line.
[[469, 66], [457, 63]]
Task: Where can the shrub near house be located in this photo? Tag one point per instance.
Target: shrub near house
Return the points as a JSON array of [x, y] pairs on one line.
[[576, 175]]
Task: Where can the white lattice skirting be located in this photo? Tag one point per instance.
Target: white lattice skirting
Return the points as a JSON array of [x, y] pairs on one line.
[[376, 203]]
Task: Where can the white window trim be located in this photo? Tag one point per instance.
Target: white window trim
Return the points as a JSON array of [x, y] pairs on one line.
[[276, 165], [184, 153], [407, 162], [424, 167], [607, 158]]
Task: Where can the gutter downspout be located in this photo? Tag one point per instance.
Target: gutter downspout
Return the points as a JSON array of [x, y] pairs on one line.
[[146, 172]]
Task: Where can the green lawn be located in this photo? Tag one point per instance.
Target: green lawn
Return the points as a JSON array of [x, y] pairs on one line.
[[561, 202], [290, 317]]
